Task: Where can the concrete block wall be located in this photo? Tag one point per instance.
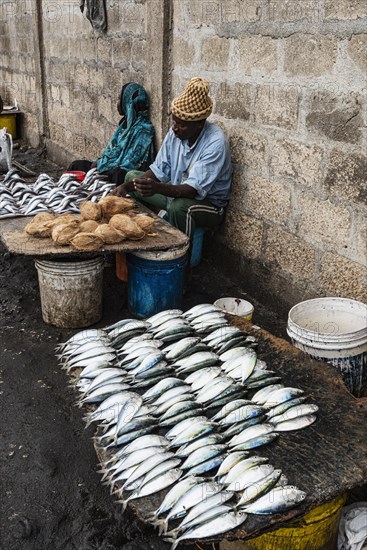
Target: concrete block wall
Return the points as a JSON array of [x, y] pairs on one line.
[[288, 81], [19, 70]]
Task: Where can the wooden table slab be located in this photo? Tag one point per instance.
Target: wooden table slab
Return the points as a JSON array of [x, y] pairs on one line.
[[325, 460], [17, 241]]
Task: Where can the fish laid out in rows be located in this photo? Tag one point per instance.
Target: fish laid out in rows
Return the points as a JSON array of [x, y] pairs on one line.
[[18, 198], [181, 400]]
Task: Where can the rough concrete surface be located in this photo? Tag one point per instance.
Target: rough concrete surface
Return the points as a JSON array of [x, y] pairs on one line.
[[51, 493]]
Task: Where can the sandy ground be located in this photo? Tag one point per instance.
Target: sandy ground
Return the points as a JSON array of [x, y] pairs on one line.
[[50, 492]]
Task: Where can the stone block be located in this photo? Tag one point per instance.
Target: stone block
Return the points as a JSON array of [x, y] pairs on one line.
[[357, 50], [346, 177], [323, 222], [243, 233], [337, 116], [258, 54], [289, 253], [215, 53], [183, 52], [295, 160], [121, 53], [277, 106], [238, 189], [79, 145], [234, 101], [345, 9], [269, 200], [133, 16], [359, 237], [104, 51], [139, 54], [342, 277], [55, 93], [309, 54], [179, 16], [104, 107], [92, 148], [248, 149], [214, 12], [289, 10], [88, 49]]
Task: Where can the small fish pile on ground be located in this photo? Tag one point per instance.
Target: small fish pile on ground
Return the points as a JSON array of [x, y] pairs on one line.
[[18, 198], [169, 397], [111, 220]]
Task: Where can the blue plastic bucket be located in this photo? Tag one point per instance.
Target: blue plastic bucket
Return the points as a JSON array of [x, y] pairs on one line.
[[155, 281]]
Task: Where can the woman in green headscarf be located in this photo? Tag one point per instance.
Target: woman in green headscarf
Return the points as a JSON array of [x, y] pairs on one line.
[[131, 147]]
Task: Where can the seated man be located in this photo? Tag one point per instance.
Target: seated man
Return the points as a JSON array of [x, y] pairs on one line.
[[191, 175], [131, 147]]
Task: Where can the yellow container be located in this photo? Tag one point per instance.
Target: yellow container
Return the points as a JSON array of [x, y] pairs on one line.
[[317, 530], [8, 121]]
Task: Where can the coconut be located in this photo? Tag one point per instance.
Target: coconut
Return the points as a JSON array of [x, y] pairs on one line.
[[87, 241], [64, 232], [88, 226], [112, 205], [40, 225], [109, 234], [90, 211], [65, 218], [145, 222], [126, 225]]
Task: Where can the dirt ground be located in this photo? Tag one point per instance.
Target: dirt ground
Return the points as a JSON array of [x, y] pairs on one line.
[[50, 492]]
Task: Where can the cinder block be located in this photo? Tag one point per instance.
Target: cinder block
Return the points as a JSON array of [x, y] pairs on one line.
[[139, 54], [215, 12], [258, 54], [234, 101], [243, 233], [309, 54], [269, 200], [248, 149], [346, 177], [357, 50], [345, 9], [323, 222], [277, 106], [79, 145], [297, 161], [183, 52], [289, 253], [337, 116], [238, 189], [104, 51], [215, 53], [121, 52], [290, 10], [342, 277]]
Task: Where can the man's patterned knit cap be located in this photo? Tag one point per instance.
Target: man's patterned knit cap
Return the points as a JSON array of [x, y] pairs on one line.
[[194, 103]]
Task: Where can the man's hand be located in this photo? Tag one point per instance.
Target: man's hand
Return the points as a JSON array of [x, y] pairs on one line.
[[145, 186], [120, 191]]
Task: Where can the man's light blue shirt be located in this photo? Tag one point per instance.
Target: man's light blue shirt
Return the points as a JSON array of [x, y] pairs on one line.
[[206, 165]]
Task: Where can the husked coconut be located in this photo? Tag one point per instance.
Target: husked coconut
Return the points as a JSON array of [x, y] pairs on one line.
[[64, 232], [88, 226], [109, 234], [145, 222], [126, 225], [90, 211], [87, 241], [40, 226], [65, 218], [112, 205]]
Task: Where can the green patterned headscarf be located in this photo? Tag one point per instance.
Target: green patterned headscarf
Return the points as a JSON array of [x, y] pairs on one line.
[[131, 147]]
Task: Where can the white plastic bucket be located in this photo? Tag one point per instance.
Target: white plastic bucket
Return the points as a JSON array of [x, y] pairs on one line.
[[71, 292], [333, 330], [236, 306]]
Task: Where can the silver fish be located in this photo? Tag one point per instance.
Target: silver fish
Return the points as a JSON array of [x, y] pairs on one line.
[[276, 501], [255, 491], [189, 448], [296, 423], [158, 389], [294, 412], [281, 395]]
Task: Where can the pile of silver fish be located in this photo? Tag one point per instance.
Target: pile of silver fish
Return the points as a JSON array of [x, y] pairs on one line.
[[18, 198], [182, 400]]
